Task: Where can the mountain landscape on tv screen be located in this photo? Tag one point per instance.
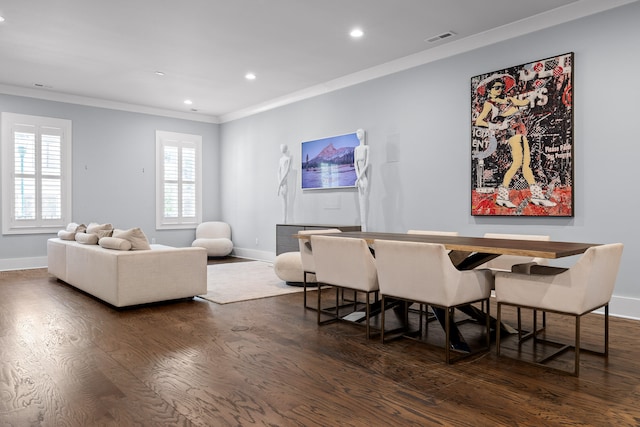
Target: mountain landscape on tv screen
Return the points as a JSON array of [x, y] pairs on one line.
[[332, 155]]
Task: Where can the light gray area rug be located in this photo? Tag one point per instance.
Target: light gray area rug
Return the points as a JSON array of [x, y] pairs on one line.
[[242, 281]]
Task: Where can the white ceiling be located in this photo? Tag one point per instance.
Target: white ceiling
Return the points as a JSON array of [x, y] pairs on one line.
[[108, 51]]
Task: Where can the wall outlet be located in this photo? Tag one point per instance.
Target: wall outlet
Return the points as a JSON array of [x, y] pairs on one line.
[[153, 240], [257, 241]]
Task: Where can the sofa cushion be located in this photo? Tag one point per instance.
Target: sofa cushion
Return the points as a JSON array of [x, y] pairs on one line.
[[67, 235], [87, 239], [100, 230], [135, 236], [115, 243]]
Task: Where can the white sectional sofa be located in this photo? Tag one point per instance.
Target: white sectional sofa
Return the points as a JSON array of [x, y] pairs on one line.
[[126, 278]]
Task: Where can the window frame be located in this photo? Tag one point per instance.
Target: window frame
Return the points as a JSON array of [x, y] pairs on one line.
[[181, 141], [10, 225]]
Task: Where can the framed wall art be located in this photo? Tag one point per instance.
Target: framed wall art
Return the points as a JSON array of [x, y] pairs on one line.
[[522, 140]]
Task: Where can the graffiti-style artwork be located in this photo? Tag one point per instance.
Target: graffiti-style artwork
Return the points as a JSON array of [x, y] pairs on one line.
[[522, 140]]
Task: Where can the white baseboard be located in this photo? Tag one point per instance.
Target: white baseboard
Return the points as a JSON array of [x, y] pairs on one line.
[[254, 254], [23, 263]]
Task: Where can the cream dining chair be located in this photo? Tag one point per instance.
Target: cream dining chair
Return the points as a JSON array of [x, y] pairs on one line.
[[576, 291], [424, 274], [507, 262], [306, 257], [430, 233], [345, 263]]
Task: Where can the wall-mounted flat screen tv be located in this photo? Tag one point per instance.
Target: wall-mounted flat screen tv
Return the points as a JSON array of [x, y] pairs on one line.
[[328, 162]]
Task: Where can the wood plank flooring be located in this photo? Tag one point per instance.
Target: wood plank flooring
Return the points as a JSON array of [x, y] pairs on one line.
[[68, 359]]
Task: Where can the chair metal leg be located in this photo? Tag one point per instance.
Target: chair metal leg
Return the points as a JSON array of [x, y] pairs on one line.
[[382, 311], [576, 349], [427, 319], [405, 312], [562, 347], [367, 312], [534, 329], [498, 329], [319, 303], [304, 284], [320, 311], [488, 325], [447, 334], [606, 330]]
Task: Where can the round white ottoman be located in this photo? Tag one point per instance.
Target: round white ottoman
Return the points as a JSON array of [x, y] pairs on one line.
[[288, 267]]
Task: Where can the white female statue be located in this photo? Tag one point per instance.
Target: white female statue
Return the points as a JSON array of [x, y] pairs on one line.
[[361, 164], [283, 173]]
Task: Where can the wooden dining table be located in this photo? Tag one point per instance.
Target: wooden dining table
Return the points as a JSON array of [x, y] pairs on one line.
[[467, 253], [470, 252]]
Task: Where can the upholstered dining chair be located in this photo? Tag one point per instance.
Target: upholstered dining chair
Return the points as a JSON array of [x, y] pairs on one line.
[[506, 263], [431, 233], [581, 289], [306, 257], [424, 274], [345, 263]]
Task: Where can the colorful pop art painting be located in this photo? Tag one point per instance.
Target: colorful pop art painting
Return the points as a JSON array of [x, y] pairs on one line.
[[522, 140]]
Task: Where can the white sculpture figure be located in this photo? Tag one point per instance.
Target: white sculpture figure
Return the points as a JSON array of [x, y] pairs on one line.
[[361, 164], [283, 173]]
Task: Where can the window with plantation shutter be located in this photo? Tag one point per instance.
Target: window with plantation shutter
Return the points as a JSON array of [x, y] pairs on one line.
[[36, 174], [178, 180]]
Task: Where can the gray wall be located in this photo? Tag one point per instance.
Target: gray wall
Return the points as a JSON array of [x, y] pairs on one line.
[[114, 170], [418, 128]]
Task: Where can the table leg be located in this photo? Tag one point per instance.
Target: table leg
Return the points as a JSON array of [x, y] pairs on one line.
[[457, 340], [468, 261]]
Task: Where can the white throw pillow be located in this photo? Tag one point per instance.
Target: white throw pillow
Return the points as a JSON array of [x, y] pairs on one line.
[[87, 239], [76, 228], [100, 230], [134, 235], [69, 233], [115, 243]]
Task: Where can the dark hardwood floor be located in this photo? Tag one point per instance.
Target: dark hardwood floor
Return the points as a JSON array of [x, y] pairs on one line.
[[66, 359]]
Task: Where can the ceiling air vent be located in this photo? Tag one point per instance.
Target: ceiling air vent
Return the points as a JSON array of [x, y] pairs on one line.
[[440, 37]]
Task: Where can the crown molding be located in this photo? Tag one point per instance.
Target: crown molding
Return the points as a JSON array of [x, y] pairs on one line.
[[103, 103]]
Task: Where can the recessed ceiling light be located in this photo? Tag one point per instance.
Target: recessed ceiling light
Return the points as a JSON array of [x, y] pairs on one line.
[[188, 101], [356, 33], [250, 76], [1, 18], [159, 73]]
